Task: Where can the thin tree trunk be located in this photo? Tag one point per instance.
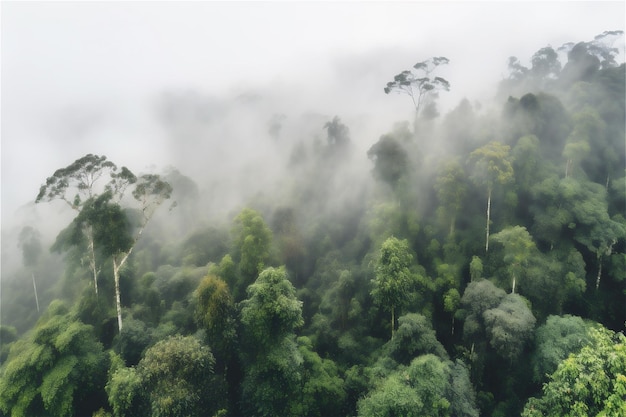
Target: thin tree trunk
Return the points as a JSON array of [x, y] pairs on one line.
[[116, 275], [118, 301], [92, 260], [452, 225], [599, 272], [488, 219], [393, 321], [35, 287], [513, 286], [567, 165]]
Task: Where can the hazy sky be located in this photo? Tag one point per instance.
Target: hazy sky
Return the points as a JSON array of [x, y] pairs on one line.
[[80, 77]]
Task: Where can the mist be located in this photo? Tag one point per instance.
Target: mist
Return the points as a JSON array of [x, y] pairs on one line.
[[196, 87]]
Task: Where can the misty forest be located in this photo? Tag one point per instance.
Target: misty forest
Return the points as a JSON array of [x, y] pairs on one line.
[[467, 263]]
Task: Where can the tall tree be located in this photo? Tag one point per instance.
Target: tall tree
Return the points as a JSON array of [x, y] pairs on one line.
[[518, 248], [80, 181], [492, 166], [418, 84], [394, 281], [591, 382]]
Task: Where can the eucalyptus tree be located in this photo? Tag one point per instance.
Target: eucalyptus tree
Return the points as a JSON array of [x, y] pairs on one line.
[[86, 178], [491, 166], [418, 83], [101, 217]]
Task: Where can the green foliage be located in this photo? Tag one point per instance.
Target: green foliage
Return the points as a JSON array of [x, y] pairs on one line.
[[394, 280], [215, 312], [415, 336], [428, 386], [252, 241], [58, 369], [587, 383], [491, 165], [509, 326], [555, 340], [271, 310]]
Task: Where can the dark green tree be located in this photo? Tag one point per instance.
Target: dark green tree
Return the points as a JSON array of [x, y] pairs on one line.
[[394, 280], [591, 382], [418, 83]]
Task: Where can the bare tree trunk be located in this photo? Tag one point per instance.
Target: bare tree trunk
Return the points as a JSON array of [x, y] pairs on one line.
[[513, 286], [488, 219], [36, 297], [452, 225], [116, 275], [567, 165], [393, 322], [118, 301], [599, 272], [92, 260]]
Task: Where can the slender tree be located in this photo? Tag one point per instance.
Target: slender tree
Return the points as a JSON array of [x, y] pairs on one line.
[[492, 166]]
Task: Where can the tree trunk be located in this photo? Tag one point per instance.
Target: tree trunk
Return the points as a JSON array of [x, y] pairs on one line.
[[488, 218], [117, 265], [452, 225], [118, 301], [92, 260], [513, 285], [567, 165], [393, 321], [36, 297], [599, 272]]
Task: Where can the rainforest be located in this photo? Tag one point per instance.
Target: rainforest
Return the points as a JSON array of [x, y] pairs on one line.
[[468, 262]]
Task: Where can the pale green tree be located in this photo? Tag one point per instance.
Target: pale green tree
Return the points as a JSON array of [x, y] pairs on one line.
[[394, 280], [491, 167]]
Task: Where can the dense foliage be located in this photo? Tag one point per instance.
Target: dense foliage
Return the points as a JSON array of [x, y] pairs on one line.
[[477, 268]]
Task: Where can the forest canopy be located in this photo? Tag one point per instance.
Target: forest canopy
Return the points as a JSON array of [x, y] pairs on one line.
[[475, 266]]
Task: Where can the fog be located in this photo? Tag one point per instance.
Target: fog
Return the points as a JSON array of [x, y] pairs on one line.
[[196, 85]]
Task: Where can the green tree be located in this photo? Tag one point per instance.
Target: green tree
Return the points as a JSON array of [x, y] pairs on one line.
[[215, 312], [428, 386], [58, 369], [492, 166], [418, 84], [80, 182], [272, 362], [509, 326], [414, 337], [451, 191], [252, 241], [394, 281], [591, 382], [555, 340], [518, 248]]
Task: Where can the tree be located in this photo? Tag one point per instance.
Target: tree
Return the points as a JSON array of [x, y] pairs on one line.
[[591, 382], [174, 378], [101, 219], [555, 340], [509, 326], [78, 183], [418, 84], [451, 191], [58, 369], [394, 280], [215, 312], [252, 241], [272, 362], [391, 161], [518, 248], [492, 166], [112, 229], [414, 337], [429, 386], [30, 242]]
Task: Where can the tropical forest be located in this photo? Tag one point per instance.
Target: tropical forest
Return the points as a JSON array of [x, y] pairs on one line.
[[466, 263]]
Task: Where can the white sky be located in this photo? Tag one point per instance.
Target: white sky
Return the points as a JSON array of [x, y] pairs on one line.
[[67, 67]]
